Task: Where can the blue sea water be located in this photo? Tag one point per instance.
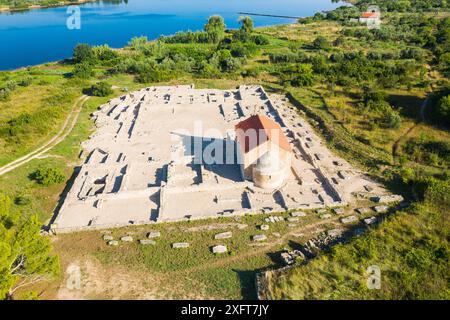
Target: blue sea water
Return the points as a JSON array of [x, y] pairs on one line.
[[41, 35]]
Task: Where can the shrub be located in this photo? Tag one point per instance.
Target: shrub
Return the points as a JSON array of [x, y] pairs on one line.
[[48, 176], [104, 53], [260, 40], [83, 70], [321, 43], [101, 89], [137, 43], [25, 82], [392, 119], [304, 77], [22, 200], [5, 94]]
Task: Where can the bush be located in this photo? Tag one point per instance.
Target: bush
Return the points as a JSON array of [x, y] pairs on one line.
[[5, 94], [101, 89], [304, 76], [25, 82], [104, 53], [48, 176], [137, 43], [22, 200], [392, 119], [260, 40], [321, 43], [83, 70]]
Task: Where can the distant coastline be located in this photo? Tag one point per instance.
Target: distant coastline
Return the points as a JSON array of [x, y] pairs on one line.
[[33, 7]]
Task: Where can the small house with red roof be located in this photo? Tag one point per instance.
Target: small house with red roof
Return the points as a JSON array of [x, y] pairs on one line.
[[369, 16]]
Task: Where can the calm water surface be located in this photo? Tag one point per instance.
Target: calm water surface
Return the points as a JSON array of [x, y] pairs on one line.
[[38, 36]]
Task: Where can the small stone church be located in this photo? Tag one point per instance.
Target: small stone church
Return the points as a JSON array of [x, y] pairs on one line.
[[263, 151]]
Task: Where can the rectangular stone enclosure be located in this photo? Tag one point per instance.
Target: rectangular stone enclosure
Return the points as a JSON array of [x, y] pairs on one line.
[[146, 161]]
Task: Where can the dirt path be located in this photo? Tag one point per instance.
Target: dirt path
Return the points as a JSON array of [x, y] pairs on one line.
[[422, 119], [67, 127]]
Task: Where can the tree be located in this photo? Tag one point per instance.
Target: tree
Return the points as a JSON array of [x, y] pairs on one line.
[[24, 254], [443, 109], [83, 53], [246, 24], [215, 28]]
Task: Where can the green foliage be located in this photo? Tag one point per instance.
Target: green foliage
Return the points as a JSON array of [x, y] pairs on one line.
[[26, 81], [260, 40], [224, 61], [104, 53], [443, 109], [428, 151], [321, 43], [83, 70], [83, 53], [304, 76], [48, 176], [138, 43], [150, 71], [24, 254], [246, 24], [101, 89], [5, 94], [215, 28], [392, 119]]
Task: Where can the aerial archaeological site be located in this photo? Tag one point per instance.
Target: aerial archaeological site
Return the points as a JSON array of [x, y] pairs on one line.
[[179, 153]]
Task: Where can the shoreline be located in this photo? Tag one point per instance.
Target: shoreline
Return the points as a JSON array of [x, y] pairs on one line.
[[80, 2], [37, 7], [120, 48]]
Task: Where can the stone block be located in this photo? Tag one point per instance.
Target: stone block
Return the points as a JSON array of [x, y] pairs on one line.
[[381, 209], [298, 214], [370, 220], [349, 219], [219, 249], [127, 239], [259, 237], [223, 235], [180, 245], [362, 210], [153, 234], [147, 242]]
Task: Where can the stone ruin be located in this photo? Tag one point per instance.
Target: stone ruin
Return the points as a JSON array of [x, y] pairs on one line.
[[139, 166]]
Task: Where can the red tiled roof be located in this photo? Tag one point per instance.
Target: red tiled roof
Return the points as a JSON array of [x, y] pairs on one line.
[[369, 15], [270, 131]]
